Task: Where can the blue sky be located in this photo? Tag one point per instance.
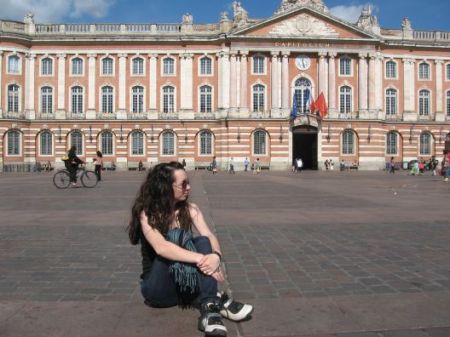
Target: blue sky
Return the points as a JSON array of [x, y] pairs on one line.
[[424, 15]]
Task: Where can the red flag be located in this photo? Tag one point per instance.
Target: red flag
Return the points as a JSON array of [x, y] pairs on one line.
[[321, 105], [312, 106]]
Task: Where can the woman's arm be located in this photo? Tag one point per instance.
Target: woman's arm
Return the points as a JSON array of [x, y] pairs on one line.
[[166, 248]]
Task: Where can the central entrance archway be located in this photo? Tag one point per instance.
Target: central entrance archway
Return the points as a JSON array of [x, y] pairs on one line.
[[304, 145]]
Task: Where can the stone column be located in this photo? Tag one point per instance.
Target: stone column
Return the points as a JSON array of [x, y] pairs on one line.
[[332, 85], [1, 83], [323, 75], [372, 98], [225, 81], [274, 82], [60, 111], [362, 85], [409, 94], [244, 85], [439, 111], [285, 83], [233, 83], [279, 82], [122, 112], [90, 113], [152, 87], [186, 91], [379, 96], [30, 112]]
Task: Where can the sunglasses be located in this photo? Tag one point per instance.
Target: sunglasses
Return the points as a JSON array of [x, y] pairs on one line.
[[184, 184]]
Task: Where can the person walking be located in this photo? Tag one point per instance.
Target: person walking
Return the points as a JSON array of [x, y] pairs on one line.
[[178, 268], [299, 164], [231, 166], [98, 165], [392, 166], [214, 165], [246, 163]]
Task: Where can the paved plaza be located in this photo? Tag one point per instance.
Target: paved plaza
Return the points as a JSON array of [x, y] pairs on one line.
[[319, 254]]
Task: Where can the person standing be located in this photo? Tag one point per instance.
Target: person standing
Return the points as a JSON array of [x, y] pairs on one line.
[[231, 166], [246, 163], [98, 165], [392, 166], [299, 164], [214, 165], [178, 268], [183, 163]]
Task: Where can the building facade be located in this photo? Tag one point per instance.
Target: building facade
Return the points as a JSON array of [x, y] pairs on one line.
[[161, 92]]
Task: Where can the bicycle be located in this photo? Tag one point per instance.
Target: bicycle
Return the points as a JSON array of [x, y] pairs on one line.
[[88, 178]]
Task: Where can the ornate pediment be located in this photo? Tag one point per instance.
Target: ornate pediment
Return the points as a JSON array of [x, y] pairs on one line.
[[303, 24]]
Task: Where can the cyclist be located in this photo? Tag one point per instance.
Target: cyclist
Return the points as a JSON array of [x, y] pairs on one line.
[[72, 164]]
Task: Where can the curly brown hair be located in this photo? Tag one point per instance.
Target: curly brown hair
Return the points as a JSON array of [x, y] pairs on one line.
[[156, 199]]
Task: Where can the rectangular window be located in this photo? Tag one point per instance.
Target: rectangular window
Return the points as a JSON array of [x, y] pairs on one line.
[[47, 103], [138, 66], [47, 67], [46, 144], [13, 65], [138, 144], [205, 66], [168, 144], [107, 144], [391, 69], [77, 66], [345, 66], [205, 144], [258, 65], [107, 66], [448, 103], [168, 68]]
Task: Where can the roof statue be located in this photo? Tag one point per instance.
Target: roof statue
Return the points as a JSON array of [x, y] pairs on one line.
[[407, 30], [187, 19], [29, 18], [368, 22], [240, 14], [287, 5]]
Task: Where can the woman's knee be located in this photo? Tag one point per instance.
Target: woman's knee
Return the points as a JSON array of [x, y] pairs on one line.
[[203, 245]]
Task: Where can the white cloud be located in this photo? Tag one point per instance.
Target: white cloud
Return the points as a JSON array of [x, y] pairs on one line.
[[53, 11], [347, 13]]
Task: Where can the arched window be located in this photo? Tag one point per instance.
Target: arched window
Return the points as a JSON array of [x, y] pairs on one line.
[[258, 64], [47, 66], [259, 142], [137, 141], [13, 98], [46, 100], [13, 143], [391, 143], [77, 100], [425, 144], [391, 69], [107, 99], [302, 95], [168, 143], [345, 99], [205, 143], [205, 66], [205, 98], [424, 102], [46, 143], [77, 66], [424, 71], [138, 99], [76, 139], [168, 99], [168, 66], [258, 98], [107, 143], [107, 66], [14, 64], [138, 66], [391, 101], [348, 142], [448, 103], [345, 66]]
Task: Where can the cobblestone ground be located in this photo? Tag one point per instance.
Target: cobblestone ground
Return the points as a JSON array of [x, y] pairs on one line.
[[319, 254]]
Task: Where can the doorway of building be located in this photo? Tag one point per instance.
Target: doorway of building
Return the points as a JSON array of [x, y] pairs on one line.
[[304, 145]]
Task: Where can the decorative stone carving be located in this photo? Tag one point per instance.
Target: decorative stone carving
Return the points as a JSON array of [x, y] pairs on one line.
[[187, 19], [240, 14], [407, 29], [303, 24], [29, 18], [368, 22], [287, 5]]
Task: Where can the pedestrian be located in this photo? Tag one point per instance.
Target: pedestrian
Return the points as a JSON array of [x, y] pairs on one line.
[[214, 165], [98, 160], [392, 166], [299, 164], [246, 163], [331, 165], [178, 268], [72, 164], [434, 164], [256, 166], [327, 165], [294, 165], [231, 166], [183, 162], [140, 166]]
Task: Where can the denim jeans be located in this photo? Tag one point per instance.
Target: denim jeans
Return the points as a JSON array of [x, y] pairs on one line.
[[159, 290]]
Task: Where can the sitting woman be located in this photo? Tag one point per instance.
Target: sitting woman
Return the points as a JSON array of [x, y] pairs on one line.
[[178, 268]]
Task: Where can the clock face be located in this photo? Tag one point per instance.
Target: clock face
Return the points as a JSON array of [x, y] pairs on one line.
[[303, 62]]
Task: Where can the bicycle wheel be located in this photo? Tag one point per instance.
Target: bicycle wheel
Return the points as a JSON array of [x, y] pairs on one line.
[[89, 179], [61, 179]]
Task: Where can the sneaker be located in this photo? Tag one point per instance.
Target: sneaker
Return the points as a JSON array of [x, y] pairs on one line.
[[233, 310], [210, 321]]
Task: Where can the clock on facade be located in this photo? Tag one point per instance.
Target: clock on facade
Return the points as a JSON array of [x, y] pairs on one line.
[[302, 62]]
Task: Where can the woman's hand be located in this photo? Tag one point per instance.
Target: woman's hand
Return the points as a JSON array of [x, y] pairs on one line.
[[209, 264]]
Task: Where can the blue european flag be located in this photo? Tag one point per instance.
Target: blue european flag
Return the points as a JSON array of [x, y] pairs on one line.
[[294, 110]]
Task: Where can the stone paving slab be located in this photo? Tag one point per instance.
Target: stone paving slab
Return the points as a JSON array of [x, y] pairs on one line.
[[320, 255]]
